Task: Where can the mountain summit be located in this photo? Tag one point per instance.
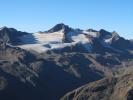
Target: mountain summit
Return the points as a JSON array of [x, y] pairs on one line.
[[60, 26]]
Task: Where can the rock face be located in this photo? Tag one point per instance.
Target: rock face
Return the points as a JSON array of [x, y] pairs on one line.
[[68, 72], [118, 88], [11, 35]]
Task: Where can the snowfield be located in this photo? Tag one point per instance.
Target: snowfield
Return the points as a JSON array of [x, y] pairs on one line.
[[55, 37], [41, 42]]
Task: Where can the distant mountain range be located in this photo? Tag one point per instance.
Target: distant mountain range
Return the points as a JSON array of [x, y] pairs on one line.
[[64, 63]]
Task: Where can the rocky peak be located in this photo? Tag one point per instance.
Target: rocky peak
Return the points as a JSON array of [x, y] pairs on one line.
[[59, 27], [104, 34]]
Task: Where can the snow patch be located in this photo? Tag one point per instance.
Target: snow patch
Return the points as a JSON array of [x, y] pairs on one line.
[[35, 47], [108, 40], [93, 34]]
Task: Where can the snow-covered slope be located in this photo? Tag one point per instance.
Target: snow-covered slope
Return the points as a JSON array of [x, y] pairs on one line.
[[55, 37], [43, 41]]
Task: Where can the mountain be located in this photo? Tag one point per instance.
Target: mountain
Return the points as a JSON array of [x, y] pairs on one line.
[[64, 63], [62, 36]]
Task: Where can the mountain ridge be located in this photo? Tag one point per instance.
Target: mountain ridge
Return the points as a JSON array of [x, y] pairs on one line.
[[54, 65], [62, 35]]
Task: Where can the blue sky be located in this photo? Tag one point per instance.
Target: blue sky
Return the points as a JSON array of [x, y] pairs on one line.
[[40, 15]]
